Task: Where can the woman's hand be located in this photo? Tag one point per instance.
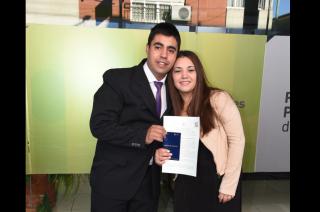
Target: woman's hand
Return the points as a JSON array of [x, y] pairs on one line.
[[223, 198], [162, 155]]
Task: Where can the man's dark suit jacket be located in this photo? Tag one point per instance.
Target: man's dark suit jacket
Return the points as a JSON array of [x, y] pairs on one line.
[[123, 109]]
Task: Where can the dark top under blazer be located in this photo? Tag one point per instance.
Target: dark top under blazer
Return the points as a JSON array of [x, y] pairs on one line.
[[123, 109]]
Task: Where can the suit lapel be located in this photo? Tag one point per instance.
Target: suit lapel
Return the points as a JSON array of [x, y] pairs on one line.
[[142, 87]]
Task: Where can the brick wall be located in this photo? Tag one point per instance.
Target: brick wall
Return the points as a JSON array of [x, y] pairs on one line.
[[105, 8], [212, 13]]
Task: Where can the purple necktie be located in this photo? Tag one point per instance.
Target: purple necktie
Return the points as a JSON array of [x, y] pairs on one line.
[[158, 97]]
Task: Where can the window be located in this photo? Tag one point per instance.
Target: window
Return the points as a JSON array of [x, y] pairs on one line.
[[236, 3], [137, 11], [151, 12], [262, 4]]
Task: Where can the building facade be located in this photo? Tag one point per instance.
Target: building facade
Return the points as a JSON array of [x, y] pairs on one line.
[[216, 13]]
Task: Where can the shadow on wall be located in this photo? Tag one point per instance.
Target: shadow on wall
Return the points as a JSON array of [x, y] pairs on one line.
[[103, 10], [95, 9]]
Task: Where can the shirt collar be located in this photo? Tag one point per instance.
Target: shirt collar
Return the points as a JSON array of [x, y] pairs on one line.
[[150, 76]]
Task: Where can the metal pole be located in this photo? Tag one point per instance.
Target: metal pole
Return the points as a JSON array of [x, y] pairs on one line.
[[268, 18], [120, 13], [196, 30], [277, 9]]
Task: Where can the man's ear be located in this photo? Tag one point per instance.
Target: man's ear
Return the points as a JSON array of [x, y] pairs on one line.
[[147, 48]]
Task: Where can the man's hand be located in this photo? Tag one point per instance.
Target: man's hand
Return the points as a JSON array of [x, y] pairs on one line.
[[161, 156], [223, 198], [155, 132]]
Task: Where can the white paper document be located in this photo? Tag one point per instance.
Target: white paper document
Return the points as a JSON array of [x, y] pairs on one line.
[[189, 127]]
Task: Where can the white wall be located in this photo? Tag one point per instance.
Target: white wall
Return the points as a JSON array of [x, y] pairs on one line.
[[234, 17], [52, 12], [263, 17]]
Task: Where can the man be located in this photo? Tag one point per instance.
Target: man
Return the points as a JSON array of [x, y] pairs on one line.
[[126, 119]]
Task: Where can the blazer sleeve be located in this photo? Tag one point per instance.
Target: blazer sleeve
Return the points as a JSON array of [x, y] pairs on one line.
[[230, 119], [104, 121]]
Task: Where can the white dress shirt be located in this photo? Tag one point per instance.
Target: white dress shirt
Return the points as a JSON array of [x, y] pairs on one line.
[[151, 79]]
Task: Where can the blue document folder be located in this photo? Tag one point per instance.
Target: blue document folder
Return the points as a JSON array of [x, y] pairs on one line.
[[172, 142]]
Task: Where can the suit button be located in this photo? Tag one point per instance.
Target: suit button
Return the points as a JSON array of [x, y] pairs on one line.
[[135, 144]]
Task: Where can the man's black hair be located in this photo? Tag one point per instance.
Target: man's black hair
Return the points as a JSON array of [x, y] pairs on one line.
[[166, 29]]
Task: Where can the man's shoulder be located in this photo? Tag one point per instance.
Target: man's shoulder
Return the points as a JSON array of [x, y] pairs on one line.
[[123, 74], [116, 73]]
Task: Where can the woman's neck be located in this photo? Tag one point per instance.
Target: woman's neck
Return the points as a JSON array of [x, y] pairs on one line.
[[186, 102]]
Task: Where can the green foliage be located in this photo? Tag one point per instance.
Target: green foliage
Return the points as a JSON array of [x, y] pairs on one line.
[[69, 182], [28, 177], [45, 205]]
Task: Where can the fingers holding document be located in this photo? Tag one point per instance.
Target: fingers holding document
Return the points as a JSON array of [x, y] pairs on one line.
[[155, 133], [162, 155]]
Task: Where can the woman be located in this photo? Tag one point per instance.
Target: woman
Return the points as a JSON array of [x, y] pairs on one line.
[[221, 146]]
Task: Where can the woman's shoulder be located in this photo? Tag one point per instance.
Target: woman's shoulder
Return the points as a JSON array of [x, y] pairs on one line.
[[220, 99], [219, 96]]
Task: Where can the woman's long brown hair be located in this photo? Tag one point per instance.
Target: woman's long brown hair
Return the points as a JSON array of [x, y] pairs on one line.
[[200, 102]]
